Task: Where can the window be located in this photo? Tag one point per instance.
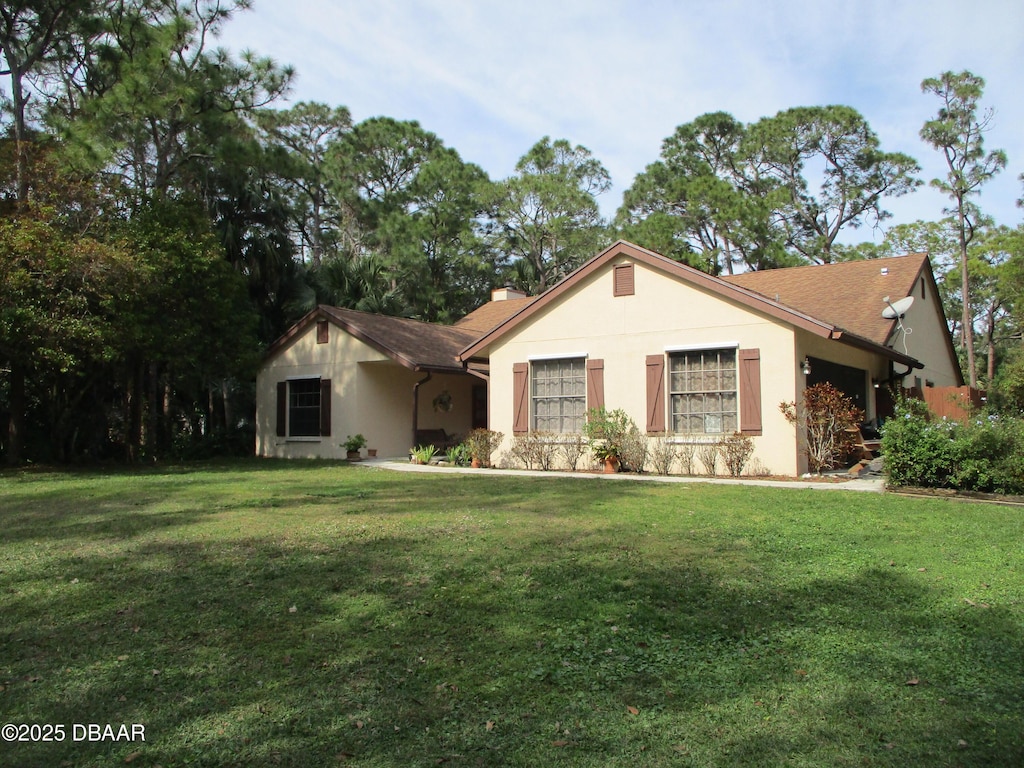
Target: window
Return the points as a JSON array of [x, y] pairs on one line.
[[703, 391], [559, 394], [304, 408]]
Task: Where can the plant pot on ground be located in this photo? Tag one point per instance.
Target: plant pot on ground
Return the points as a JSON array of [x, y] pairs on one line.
[[481, 443], [352, 446]]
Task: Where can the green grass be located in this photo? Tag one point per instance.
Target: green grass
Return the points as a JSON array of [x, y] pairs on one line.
[[308, 614]]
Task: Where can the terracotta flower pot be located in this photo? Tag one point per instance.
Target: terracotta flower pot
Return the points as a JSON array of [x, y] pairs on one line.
[[611, 466], [476, 463]]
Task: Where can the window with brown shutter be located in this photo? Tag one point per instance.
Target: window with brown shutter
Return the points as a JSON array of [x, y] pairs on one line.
[[622, 280], [304, 408], [702, 391], [558, 395]]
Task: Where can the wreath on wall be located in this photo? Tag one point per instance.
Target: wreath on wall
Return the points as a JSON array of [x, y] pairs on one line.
[[443, 402]]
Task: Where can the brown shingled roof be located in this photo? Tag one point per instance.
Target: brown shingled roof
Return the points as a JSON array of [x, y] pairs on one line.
[[847, 294], [493, 313], [760, 298], [414, 344]]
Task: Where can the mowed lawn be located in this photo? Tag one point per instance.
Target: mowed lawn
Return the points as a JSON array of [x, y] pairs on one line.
[[314, 614]]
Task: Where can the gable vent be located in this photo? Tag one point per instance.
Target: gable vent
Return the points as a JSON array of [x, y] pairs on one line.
[[623, 280]]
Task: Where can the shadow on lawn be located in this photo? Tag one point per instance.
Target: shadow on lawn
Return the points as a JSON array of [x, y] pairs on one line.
[[86, 506], [378, 649]]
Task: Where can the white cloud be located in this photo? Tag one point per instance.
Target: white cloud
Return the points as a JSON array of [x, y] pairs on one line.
[[492, 77]]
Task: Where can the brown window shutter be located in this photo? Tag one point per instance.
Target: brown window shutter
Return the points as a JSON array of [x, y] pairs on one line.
[[322, 331], [325, 407], [282, 409], [520, 398], [655, 393], [595, 384], [750, 391], [623, 280]]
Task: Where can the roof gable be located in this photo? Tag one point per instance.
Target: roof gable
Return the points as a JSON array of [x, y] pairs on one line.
[[732, 291], [411, 343]]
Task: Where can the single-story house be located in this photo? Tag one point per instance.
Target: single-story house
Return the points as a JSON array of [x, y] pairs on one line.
[[340, 372], [688, 355]]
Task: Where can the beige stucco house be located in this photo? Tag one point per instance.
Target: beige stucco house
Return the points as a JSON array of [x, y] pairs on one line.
[[689, 356]]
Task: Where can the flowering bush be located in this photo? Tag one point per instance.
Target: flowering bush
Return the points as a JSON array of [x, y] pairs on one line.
[[918, 451], [986, 454]]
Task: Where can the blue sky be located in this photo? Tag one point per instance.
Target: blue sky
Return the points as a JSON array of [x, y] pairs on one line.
[[491, 78]]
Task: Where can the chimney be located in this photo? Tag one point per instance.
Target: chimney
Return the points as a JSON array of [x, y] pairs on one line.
[[501, 294]]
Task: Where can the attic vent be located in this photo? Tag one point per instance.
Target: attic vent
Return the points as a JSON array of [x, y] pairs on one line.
[[623, 280]]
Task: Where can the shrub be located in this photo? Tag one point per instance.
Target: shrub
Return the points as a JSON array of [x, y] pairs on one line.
[[918, 451], [686, 453], [606, 431], [482, 443], [536, 450], [986, 454], [663, 455], [708, 454], [827, 416], [460, 455], [634, 449], [571, 449], [736, 451]]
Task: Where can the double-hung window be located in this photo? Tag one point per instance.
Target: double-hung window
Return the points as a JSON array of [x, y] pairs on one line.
[[304, 408], [702, 390], [559, 394]]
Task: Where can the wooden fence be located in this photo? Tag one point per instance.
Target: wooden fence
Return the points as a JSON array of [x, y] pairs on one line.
[[956, 403]]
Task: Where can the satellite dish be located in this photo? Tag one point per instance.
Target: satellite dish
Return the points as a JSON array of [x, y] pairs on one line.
[[897, 309]]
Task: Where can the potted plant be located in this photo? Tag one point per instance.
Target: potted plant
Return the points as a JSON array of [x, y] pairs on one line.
[[481, 444], [608, 453], [352, 445], [606, 431]]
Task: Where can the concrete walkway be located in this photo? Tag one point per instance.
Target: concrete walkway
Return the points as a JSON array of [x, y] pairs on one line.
[[866, 484]]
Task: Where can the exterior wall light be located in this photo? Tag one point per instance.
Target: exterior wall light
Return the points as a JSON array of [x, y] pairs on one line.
[[806, 367]]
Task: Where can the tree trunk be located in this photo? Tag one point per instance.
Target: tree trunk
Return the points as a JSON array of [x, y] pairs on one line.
[[16, 419], [135, 412], [228, 410], [967, 327]]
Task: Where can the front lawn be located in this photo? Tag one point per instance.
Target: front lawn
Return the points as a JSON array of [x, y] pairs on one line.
[[311, 614]]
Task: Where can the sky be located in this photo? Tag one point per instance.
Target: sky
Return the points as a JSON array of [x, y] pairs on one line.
[[617, 76]]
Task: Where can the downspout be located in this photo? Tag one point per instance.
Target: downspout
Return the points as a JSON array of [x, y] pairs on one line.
[[416, 406]]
